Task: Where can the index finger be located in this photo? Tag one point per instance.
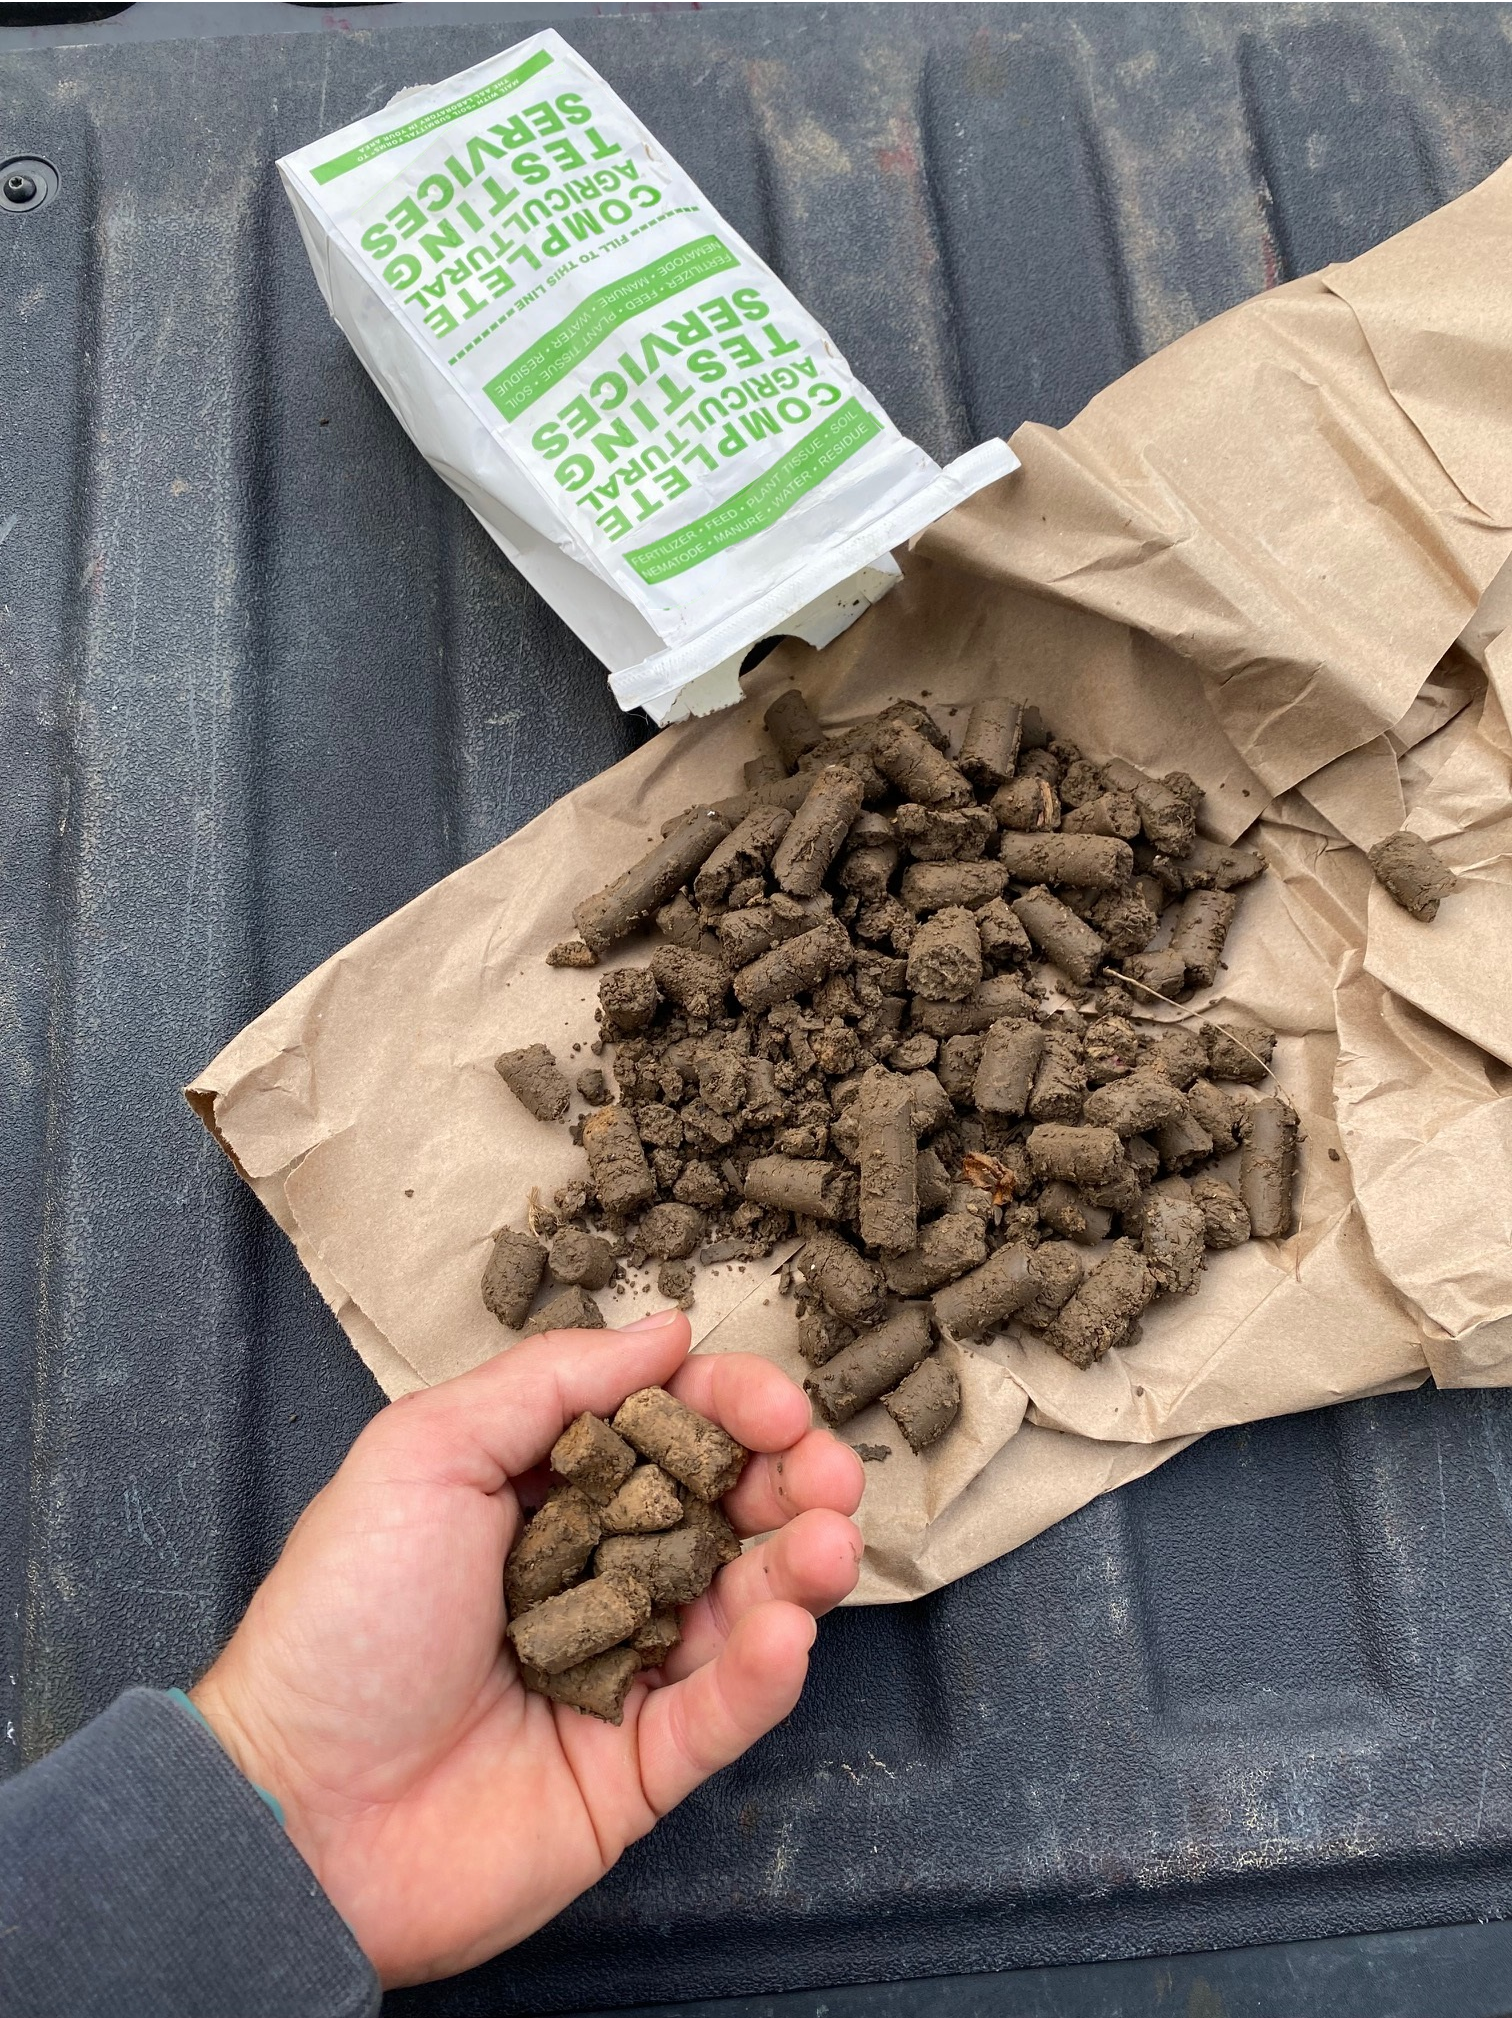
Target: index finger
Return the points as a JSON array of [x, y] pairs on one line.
[[487, 1426]]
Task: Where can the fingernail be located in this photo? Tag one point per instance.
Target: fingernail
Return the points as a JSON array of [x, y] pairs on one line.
[[657, 1321]]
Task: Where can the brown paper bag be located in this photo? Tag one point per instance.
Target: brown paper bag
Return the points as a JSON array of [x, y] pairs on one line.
[[1307, 497], [1244, 561]]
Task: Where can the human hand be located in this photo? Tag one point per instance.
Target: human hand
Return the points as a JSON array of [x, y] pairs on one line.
[[446, 1812]]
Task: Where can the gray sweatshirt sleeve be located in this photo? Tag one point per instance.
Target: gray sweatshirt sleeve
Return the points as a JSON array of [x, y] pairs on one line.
[[141, 1876]]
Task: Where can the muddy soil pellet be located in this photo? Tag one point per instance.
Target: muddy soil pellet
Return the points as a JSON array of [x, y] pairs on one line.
[[1075, 1152], [1268, 1165], [1009, 1059], [795, 967], [586, 1620], [1072, 1214], [636, 896], [676, 1568], [920, 771], [925, 1402], [1113, 1048], [874, 1363], [1239, 1051], [870, 829], [979, 1302], [1226, 1223], [1125, 921], [578, 1256], [617, 1166], [1059, 934], [536, 1081], [931, 886], [1042, 763], [1159, 973], [1180, 1055], [989, 747], [1000, 997], [944, 834], [848, 1285], [680, 922], [592, 1457], [660, 1636], [593, 1087], [1124, 1196], [1080, 781], [707, 1517], [947, 1247], [956, 1066], [1208, 865], [628, 1000], [722, 1081], [1167, 820], [743, 852], [553, 1550], [670, 1232], [513, 1276], [1060, 1083], [695, 1451], [1182, 1142], [1130, 1106], [790, 723], [1001, 936], [1174, 1242], [1026, 805], [1217, 1112], [1416, 876], [1084, 861], [818, 828], [1114, 814], [914, 1053], [788, 793], [868, 871], [763, 770], [1104, 1311], [945, 959], [806, 1185], [1058, 1272], [674, 1281], [598, 1686], [573, 1310], [1199, 932], [696, 982], [571, 953], [889, 1161], [745, 935], [646, 1504]]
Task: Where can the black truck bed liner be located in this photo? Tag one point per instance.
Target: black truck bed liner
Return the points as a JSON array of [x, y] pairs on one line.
[[262, 679]]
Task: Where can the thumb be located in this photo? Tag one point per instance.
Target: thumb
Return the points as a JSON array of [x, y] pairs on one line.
[[488, 1426]]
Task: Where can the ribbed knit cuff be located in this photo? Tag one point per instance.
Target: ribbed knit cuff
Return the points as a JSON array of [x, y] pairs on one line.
[[142, 1876]]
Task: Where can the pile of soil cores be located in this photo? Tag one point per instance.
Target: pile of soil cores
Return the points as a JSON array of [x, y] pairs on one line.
[[899, 1010], [631, 1530]]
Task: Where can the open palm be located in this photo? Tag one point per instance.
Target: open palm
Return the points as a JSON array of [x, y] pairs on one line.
[[446, 1812]]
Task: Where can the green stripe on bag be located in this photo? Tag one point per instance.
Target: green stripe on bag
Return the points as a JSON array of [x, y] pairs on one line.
[[599, 315], [762, 502]]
